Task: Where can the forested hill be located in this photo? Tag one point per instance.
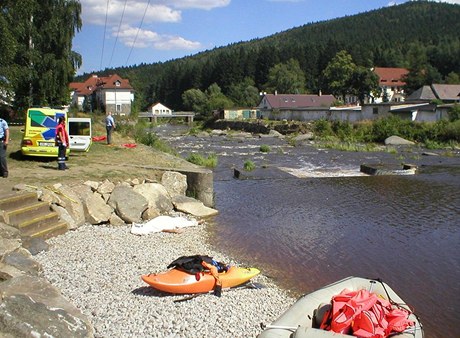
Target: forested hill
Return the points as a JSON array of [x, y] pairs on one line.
[[413, 35]]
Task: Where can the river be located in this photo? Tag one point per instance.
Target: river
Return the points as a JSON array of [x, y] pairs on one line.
[[318, 219]]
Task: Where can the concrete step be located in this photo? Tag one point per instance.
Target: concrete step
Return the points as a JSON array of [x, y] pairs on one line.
[[17, 200], [38, 223], [51, 230], [34, 210], [32, 217]]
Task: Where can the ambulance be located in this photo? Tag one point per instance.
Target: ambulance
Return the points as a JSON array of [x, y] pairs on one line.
[[40, 131]]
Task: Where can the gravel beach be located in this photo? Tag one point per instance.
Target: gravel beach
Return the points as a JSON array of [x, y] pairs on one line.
[[98, 269]]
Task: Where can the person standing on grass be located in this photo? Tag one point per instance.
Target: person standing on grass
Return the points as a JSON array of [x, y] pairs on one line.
[[4, 138], [62, 141], [110, 126]]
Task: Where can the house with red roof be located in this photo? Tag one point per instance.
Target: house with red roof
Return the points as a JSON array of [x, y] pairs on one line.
[[391, 82], [107, 93]]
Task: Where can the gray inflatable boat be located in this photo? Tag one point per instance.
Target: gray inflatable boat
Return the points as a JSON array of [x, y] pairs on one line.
[[303, 318]]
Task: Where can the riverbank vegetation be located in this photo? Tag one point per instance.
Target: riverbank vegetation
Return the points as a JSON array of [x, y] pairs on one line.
[[209, 162], [431, 135]]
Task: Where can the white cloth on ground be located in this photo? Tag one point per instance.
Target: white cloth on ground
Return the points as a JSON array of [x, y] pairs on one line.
[[161, 223]]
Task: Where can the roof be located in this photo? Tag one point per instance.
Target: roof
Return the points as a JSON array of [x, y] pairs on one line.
[[447, 92], [94, 82], [286, 101], [391, 76], [444, 92], [159, 104]]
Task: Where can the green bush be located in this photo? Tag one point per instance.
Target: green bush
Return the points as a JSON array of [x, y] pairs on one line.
[[454, 113], [264, 148], [322, 128], [249, 165], [209, 162]]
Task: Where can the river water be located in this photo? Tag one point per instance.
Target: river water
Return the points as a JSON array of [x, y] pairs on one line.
[[319, 219]]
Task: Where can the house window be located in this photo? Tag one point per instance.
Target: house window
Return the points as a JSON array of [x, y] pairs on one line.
[[375, 110], [118, 107]]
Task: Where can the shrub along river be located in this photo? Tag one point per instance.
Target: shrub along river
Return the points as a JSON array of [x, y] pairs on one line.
[[318, 219]]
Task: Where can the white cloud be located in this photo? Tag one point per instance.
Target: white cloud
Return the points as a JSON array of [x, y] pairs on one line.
[[95, 11], [455, 2], [149, 39], [451, 1], [131, 12], [197, 4]]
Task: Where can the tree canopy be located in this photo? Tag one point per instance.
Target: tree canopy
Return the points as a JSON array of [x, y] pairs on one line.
[[37, 58]]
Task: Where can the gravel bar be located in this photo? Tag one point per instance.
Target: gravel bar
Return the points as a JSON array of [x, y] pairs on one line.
[[98, 269]]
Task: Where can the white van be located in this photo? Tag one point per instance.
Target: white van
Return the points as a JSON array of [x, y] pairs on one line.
[[80, 133]]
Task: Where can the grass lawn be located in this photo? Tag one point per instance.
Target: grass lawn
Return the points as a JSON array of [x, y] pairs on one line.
[[114, 162]]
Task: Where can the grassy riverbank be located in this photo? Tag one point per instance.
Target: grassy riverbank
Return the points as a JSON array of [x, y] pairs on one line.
[[102, 161]]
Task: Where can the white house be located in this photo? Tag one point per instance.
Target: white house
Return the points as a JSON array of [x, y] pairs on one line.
[[109, 93], [391, 82], [159, 109]]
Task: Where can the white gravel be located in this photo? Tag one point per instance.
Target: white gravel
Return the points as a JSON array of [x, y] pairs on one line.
[[98, 269]]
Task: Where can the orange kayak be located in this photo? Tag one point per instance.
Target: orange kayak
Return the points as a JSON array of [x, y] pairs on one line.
[[178, 281]]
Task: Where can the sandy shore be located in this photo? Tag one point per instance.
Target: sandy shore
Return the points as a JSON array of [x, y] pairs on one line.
[[98, 269]]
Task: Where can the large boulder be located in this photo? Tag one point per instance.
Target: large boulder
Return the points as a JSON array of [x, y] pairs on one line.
[[32, 307], [106, 187], [21, 260], [65, 216], [70, 200], [8, 245], [175, 183], [192, 206], [8, 272], [157, 196], [7, 231], [128, 204], [397, 141], [96, 210], [34, 245]]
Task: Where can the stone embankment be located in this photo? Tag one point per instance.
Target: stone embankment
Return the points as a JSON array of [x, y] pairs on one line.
[[29, 304]]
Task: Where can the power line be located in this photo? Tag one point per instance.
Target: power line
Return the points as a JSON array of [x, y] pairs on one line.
[[137, 33], [119, 27], [105, 28]]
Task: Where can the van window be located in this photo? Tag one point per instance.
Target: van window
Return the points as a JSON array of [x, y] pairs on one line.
[[80, 128]]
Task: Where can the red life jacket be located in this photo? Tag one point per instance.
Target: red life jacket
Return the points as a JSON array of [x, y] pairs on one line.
[[363, 314]]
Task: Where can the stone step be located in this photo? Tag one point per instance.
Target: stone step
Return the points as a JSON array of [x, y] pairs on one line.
[[17, 200], [51, 230], [39, 223], [33, 210]]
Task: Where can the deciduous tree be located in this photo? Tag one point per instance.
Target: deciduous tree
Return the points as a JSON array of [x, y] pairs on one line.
[[43, 62], [286, 78]]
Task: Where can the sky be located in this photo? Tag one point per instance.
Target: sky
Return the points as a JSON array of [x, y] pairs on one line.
[[118, 33]]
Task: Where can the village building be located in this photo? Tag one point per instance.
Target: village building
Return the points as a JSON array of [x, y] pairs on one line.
[[107, 93], [159, 109], [298, 107], [391, 83]]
